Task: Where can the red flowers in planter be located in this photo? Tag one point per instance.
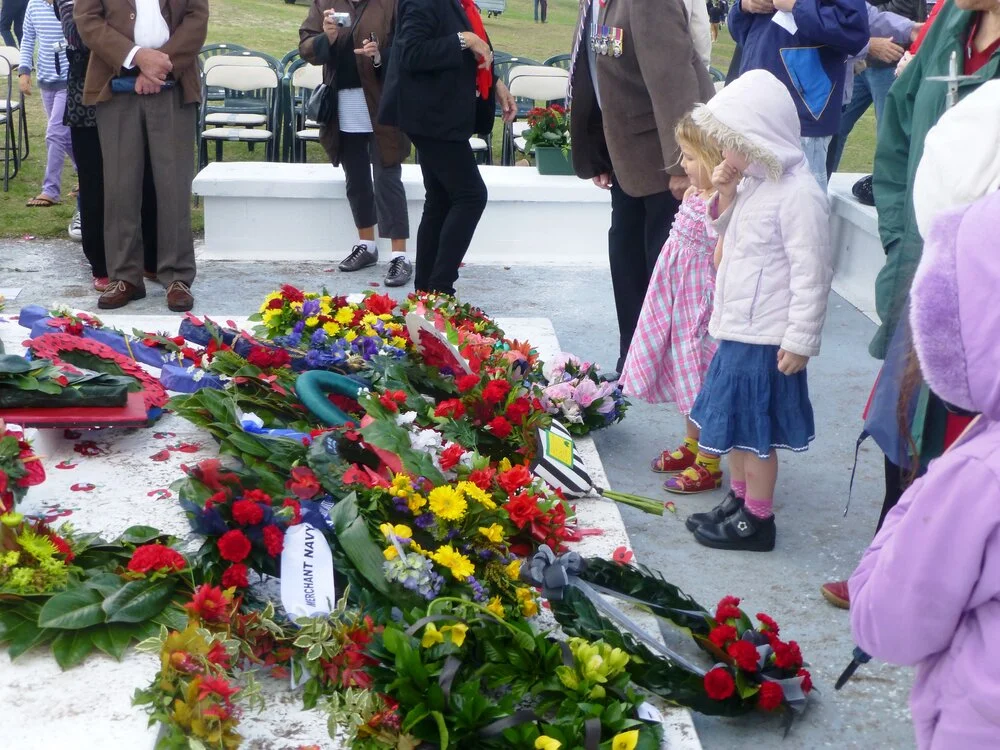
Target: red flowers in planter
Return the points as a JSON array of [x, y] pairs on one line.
[[153, 557]]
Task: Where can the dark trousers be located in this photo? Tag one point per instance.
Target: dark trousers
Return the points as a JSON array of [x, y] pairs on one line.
[[455, 201], [639, 227], [382, 200], [12, 17], [90, 167]]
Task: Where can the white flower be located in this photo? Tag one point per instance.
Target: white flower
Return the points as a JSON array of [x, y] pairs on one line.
[[573, 412], [406, 418], [197, 375], [427, 441]]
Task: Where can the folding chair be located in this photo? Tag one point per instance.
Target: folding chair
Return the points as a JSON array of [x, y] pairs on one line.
[[11, 55], [301, 80], [8, 115], [237, 78], [559, 61], [212, 50], [531, 83]]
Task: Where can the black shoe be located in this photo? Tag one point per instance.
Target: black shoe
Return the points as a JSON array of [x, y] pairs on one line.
[[360, 257], [400, 271], [718, 514], [741, 531]]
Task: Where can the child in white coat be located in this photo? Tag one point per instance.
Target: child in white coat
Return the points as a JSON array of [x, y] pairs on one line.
[[770, 303]]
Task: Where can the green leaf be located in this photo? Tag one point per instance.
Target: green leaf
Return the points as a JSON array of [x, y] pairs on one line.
[[138, 601], [72, 610], [442, 729], [25, 636], [356, 543], [112, 638], [524, 641], [140, 535], [105, 583], [71, 647]]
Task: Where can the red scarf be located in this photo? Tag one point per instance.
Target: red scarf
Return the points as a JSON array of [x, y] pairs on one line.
[[484, 77]]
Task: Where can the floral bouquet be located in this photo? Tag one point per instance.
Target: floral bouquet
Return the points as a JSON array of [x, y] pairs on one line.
[[326, 332], [20, 468], [34, 559], [547, 127], [577, 396]]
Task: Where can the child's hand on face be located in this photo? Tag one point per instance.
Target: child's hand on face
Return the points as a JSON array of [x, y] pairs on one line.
[[725, 178], [790, 364]]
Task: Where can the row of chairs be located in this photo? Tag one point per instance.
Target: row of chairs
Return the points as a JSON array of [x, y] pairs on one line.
[[13, 119]]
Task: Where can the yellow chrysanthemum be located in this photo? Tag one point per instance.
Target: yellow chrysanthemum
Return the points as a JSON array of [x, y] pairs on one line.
[[416, 502], [297, 306], [369, 319], [350, 336], [325, 304], [513, 569], [312, 321], [473, 492], [432, 636], [385, 316], [402, 485], [399, 342], [456, 632], [331, 328], [269, 315], [547, 743], [461, 567], [495, 608], [344, 316], [390, 553], [493, 532], [625, 740], [447, 503]]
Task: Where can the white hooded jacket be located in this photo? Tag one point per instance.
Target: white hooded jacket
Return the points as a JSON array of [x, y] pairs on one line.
[[777, 263]]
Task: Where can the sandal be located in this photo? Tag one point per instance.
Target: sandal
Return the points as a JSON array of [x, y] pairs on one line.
[[75, 192], [41, 201], [667, 463], [694, 480]]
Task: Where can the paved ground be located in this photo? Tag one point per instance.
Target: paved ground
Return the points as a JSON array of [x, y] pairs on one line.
[[815, 541]]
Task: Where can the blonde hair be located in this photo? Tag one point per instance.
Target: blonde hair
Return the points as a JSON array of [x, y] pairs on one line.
[[703, 148]]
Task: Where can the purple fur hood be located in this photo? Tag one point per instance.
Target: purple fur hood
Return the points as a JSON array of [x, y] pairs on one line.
[[927, 591]]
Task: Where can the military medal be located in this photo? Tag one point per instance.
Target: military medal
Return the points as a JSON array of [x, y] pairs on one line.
[[617, 47], [605, 39]]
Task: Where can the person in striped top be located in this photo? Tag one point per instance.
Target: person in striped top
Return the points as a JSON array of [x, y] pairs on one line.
[[43, 30]]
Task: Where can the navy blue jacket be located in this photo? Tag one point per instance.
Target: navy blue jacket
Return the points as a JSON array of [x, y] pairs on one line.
[[811, 62]]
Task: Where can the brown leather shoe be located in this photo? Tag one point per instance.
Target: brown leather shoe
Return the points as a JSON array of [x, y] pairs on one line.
[[118, 294], [179, 297]]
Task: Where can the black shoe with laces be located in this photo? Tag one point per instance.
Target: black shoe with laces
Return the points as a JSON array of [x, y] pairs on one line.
[[400, 271], [741, 531], [718, 514], [361, 257]]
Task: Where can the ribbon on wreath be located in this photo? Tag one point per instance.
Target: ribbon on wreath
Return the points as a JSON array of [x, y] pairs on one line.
[[555, 574]]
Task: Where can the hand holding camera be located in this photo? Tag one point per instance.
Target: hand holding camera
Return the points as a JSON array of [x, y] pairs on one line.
[[333, 22]]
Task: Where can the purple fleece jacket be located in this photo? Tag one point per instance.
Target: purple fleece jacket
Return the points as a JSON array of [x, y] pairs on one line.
[[927, 591]]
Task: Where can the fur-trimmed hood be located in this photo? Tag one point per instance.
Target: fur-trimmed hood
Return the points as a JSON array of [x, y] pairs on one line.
[[756, 116], [952, 313]]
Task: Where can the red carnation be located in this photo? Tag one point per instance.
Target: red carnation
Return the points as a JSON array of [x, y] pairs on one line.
[[209, 604], [515, 478], [518, 410], [450, 456], [768, 624], [388, 402], [274, 540], [379, 304], [522, 509], [234, 546], [451, 408], [500, 427], [292, 294], [496, 391], [296, 507], [150, 557], [483, 478], [257, 496], [719, 684], [247, 512], [807, 683], [722, 635], [744, 654], [787, 655], [235, 576], [466, 383], [728, 609], [770, 696], [304, 483]]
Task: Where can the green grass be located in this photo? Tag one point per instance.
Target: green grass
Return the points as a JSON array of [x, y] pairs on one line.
[[272, 26]]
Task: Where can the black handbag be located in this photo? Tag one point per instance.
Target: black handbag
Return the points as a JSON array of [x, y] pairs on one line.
[[321, 106]]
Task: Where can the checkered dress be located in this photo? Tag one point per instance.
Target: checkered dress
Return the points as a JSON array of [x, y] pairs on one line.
[[671, 348]]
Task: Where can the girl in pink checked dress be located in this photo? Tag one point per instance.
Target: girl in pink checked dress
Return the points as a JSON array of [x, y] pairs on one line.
[[671, 350]]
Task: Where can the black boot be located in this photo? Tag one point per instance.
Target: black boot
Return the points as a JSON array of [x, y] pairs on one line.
[[740, 531], [718, 514]]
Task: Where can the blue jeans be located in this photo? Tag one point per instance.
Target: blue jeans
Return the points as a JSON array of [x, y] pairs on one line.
[[816, 148], [871, 86]]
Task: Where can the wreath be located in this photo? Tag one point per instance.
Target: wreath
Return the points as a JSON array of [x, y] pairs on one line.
[[65, 350], [753, 669]]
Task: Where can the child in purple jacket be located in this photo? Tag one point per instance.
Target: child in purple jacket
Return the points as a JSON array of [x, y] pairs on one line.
[[927, 591]]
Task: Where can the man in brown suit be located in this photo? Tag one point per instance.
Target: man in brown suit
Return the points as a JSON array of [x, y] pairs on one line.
[[143, 77], [634, 74]]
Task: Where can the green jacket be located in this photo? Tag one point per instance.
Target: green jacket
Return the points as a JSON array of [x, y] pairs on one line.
[[913, 107]]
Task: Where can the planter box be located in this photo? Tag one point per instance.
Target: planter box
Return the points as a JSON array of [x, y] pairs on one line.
[[553, 161]]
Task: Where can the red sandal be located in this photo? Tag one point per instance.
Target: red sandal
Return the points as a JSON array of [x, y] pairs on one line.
[[694, 480], [667, 463]]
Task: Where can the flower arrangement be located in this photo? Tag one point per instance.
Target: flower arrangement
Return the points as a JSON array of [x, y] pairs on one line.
[[33, 558], [577, 396], [20, 468], [547, 127]]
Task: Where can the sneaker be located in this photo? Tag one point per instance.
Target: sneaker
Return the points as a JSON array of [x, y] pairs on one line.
[[360, 257], [118, 294], [718, 514], [76, 228], [400, 271], [837, 594], [741, 531], [101, 283], [693, 481], [179, 297]]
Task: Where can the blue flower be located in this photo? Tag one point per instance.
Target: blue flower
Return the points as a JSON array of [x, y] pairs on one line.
[[310, 308]]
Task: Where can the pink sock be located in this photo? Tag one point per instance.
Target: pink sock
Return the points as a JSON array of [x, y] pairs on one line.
[[760, 508], [739, 489]]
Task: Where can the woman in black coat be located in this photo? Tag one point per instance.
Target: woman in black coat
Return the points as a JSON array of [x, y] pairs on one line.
[[440, 91]]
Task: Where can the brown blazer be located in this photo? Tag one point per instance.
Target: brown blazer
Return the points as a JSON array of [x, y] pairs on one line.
[[379, 18], [643, 94], [107, 27]]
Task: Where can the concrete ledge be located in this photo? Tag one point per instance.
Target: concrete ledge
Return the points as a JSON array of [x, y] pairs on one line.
[[859, 254]]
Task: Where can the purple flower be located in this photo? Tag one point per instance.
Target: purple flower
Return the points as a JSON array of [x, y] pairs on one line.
[[310, 308], [424, 520], [318, 338]]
